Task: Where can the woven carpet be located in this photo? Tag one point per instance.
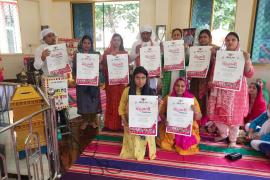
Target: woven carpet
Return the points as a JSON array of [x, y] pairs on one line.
[[100, 160]]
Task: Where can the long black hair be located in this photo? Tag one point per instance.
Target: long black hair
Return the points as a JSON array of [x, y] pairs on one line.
[[121, 48], [146, 90], [205, 31], [80, 45]]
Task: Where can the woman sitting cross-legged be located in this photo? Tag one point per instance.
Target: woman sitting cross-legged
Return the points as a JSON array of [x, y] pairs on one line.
[[257, 104], [259, 130], [184, 145]]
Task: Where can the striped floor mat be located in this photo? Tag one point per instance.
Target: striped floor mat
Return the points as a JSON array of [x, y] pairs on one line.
[[100, 160], [73, 98]]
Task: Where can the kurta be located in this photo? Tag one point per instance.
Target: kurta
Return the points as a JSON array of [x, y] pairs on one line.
[[167, 140], [229, 112], [199, 88], [134, 146], [113, 96], [38, 63], [88, 97]]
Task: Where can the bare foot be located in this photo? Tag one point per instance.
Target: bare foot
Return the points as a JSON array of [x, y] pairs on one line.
[[217, 139], [232, 145], [94, 125], [84, 125]]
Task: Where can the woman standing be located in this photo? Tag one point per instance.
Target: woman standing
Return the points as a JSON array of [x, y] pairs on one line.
[[170, 76], [88, 97], [228, 108], [113, 92], [134, 146], [184, 145], [198, 86]]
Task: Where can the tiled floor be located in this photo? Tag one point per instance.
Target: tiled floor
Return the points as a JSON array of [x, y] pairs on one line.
[[70, 147]]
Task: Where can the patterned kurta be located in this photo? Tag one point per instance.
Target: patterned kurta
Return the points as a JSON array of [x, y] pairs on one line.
[[230, 112]]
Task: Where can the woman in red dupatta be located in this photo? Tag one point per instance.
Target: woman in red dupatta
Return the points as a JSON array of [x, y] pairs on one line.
[[228, 108], [257, 104], [113, 92], [184, 145]]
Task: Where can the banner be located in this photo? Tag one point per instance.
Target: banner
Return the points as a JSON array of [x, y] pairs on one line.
[[150, 60], [87, 69], [60, 86], [174, 55], [179, 115], [199, 61], [143, 115], [229, 69], [118, 69], [57, 61]]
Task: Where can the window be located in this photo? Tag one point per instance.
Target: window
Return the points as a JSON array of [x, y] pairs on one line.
[[216, 15], [116, 17], [201, 14], [261, 38], [9, 27], [82, 19]]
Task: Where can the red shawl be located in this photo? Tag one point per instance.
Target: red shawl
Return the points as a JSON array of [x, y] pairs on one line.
[[259, 106]]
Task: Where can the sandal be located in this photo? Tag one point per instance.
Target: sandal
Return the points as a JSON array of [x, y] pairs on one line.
[[94, 125]]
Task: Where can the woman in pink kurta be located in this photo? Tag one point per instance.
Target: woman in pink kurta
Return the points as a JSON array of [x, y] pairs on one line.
[[228, 108]]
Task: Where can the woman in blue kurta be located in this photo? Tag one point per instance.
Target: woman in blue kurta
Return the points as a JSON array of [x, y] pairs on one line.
[[88, 97]]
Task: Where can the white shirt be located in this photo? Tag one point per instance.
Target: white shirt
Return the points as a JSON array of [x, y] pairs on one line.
[[38, 63]]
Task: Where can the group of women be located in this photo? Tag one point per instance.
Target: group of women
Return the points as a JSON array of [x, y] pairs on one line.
[[229, 110]]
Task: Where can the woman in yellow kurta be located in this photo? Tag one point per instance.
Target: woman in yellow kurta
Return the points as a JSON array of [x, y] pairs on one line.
[[184, 145], [134, 146]]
